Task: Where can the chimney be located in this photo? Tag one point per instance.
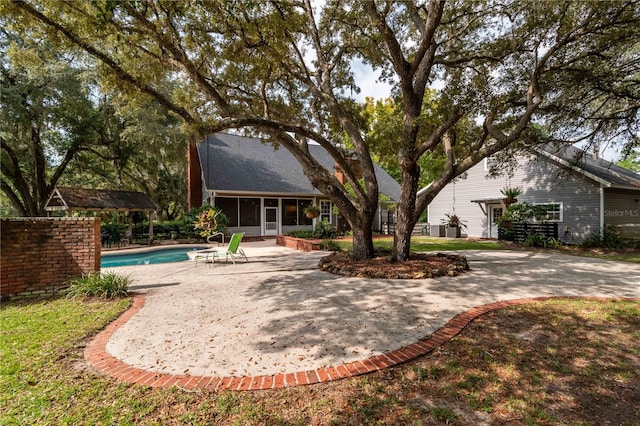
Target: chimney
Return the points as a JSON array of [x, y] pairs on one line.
[[355, 167], [339, 174], [194, 177]]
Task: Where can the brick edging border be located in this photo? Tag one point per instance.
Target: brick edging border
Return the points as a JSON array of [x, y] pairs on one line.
[[97, 356]]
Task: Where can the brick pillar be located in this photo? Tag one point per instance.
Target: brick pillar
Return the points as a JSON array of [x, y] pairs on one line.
[[194, 178]]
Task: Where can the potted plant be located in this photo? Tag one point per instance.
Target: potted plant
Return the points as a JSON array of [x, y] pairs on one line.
[[453, 225], [506, 220], [510, 195], [312, 211], [210, 222]]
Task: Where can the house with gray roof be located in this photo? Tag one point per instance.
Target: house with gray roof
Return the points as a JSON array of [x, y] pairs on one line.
[[261, 188], [582, 194]]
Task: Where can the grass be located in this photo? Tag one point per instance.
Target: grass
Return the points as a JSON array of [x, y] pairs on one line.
[[627, 255], [552, 363], [423, 244], [426, 244], [106, 285]]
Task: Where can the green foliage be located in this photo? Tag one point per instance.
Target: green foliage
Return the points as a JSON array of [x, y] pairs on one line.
[[511, 192], [48, 116], [384, 119], [301, 234], [324, 230], [210, 221], [523, 212], [385, 203], [610, 238], [444, 414], [631, 161], [534, 240], [312, 210], [553, 243], [452, 220], [330, 245], [539, 240], [107, 286]]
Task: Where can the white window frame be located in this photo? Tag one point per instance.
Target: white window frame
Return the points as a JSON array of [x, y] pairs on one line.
[[486, 162], [325, 204], [559, 211]]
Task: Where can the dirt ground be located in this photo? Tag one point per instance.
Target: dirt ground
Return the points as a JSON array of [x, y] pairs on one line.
[[418, 266]]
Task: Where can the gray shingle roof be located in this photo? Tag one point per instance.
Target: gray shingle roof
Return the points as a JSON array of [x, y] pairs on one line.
[[243, 164], [586, 163], [87, 199]]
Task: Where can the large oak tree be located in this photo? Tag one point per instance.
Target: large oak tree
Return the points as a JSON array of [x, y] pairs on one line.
[[284, 70]]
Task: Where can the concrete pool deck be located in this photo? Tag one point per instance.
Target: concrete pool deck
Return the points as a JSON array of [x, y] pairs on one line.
[[279, 321]]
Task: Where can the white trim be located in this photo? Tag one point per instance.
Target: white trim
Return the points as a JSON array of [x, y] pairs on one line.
[[491, 219], [601, 210], [547, 203], [270, 232], [575, 168], [320, 202]]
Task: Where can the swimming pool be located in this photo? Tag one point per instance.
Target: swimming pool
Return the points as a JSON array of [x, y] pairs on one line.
[[159, 255]]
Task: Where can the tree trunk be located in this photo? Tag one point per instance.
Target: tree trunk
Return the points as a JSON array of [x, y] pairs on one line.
[[363, 241], [406, 212]]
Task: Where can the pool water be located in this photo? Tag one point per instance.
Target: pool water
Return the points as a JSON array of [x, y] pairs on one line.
[[160, 255]]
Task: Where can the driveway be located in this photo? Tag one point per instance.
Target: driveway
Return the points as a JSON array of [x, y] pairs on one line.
[[279, 313]]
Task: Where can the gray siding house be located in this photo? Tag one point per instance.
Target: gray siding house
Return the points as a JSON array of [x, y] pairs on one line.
[[262, 189], [583, 194]]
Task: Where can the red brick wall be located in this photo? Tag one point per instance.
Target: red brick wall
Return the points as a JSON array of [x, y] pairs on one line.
[[194, 177], [37, 255]]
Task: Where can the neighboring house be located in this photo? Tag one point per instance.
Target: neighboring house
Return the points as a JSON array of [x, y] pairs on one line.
[[583, 194], [262, 189]]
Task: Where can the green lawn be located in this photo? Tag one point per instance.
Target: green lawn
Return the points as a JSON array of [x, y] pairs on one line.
[[425, 244], [419, 244]]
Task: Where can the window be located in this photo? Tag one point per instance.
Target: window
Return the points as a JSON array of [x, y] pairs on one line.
[[325, 210], [488, 162], [289, 212], [497, 213], [229, 207], [302, 217], [553, 212], [249, 211], [293, 212]]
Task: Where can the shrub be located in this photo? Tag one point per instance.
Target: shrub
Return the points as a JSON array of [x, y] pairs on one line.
[[553, 243], [610, 238], [534, 240], [301, 234], [107, 286], [324, 230], [330, 245]]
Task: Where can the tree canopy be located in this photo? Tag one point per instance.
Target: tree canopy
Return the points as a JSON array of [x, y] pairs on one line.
[[284, 70], [48, 118], [631, 161], [60, 128]]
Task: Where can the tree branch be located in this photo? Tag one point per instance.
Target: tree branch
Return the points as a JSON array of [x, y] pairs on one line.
[[120, 72]]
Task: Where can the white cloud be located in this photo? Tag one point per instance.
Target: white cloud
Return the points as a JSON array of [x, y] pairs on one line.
[[367, 79]]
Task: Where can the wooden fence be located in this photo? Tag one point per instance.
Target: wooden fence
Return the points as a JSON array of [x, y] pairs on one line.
[[520, 231]]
